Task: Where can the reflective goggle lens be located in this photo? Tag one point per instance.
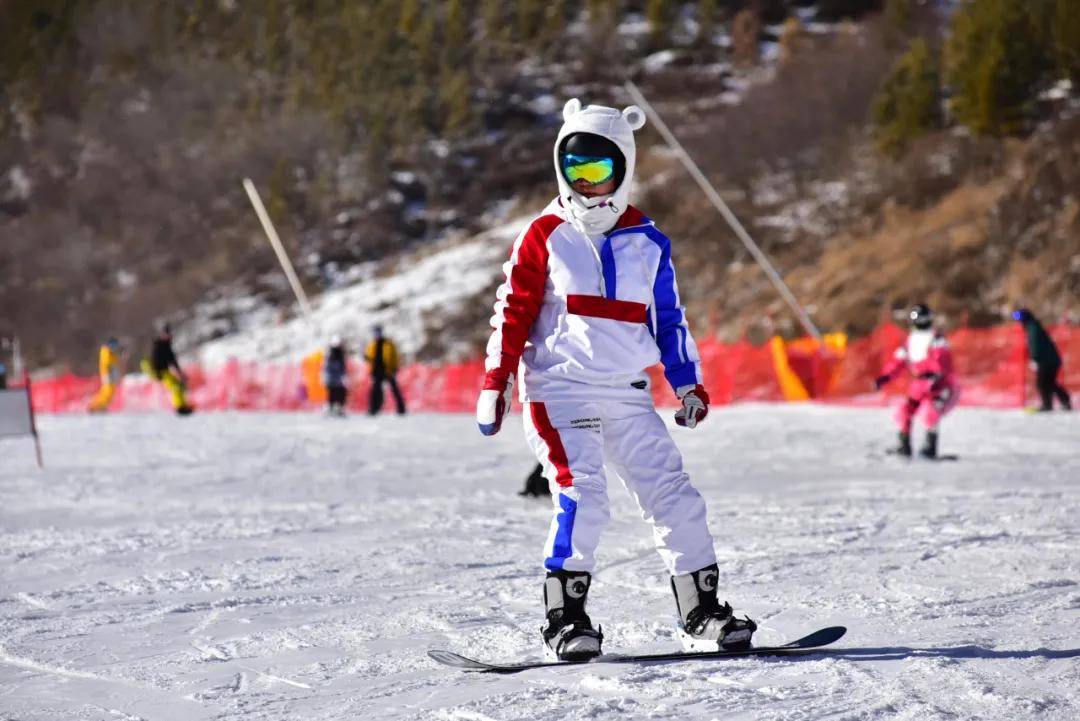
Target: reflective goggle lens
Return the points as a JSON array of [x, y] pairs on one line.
[[588, 168]]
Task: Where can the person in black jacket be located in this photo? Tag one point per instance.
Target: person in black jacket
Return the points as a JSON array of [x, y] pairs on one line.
[[1046, 359], [335, 376], [163, 366], [535, 484]]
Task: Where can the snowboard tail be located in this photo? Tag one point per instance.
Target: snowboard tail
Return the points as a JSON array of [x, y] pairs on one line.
[[817, 639]]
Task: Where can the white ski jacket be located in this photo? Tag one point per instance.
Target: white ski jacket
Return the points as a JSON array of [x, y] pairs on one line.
[[590, 299], [587, 318]]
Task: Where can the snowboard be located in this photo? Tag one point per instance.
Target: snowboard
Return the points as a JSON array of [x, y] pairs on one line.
[[817, 639], [917, 457]]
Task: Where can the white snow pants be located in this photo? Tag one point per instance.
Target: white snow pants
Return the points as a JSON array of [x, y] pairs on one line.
[[573, 441]]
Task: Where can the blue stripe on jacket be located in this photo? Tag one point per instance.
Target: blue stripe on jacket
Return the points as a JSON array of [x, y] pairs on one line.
[[672, 329], [607, 264]]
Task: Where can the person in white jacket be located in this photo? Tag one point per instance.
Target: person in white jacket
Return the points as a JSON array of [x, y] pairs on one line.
[[589, 302]]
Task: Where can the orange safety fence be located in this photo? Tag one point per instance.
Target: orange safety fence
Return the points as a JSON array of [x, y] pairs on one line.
[[991, 365]]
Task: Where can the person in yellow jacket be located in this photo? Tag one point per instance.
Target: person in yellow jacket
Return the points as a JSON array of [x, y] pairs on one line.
[[382, 357], [163, 366], [109, 368]]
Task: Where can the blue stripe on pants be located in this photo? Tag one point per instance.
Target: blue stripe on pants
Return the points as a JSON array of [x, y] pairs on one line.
[[562, 548]]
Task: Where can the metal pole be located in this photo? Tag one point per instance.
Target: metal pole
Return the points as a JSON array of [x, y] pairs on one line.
[[725, 211], [279, 249], [16, 357], [33, 422]]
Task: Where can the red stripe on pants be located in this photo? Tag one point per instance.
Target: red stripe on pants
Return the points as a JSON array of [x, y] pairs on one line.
[[550, 436]]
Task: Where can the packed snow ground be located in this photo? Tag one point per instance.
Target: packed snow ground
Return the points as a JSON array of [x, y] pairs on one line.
[[230, 566]]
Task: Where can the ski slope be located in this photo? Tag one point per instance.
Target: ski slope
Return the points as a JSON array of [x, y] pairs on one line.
[[232, 566], [415, 297]]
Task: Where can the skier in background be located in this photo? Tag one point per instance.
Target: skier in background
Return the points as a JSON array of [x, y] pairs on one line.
[[163, 366], [926, 356], [589, 302], [334, 373], [535, 484], [382, 357], [109, 368], [3, 376], [1046, 361]]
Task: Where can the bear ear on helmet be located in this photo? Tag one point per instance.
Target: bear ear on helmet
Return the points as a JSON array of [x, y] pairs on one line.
[[635, 116], [572, 108]]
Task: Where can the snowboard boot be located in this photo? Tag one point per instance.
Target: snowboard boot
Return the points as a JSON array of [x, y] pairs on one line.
[[184, 410], [904, 448], [704, 624], [929, 449], [568, 633]]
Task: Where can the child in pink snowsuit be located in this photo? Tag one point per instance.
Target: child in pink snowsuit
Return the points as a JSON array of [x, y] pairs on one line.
[[926, 356]]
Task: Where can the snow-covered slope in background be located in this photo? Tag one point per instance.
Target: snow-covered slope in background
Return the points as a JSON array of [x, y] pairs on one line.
[[267, 567], [410, 297]]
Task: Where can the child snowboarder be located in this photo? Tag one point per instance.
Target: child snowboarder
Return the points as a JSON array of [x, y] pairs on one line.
[[163, 366], [589, 302], [109, 368], [926, 356], [335, 371]]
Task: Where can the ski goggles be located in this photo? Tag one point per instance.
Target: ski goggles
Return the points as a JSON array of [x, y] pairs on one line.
[[591, 169]]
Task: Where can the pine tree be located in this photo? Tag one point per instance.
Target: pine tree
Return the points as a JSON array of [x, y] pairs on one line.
[[907, 104], [745, 36], [997, 59], [424, 45], [603, 38], [660, 14], [456, 23], [495, 31], [552, 28], [530, 14], [898, 22], [410, 16], [1066, 29], [456, 102], [708, 14], [601, 16]]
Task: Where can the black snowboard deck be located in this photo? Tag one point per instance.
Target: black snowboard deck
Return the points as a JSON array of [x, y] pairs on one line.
[[817, 639]]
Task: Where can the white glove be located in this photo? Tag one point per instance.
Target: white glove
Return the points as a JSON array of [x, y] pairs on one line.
[[695, 405], [494, 401]]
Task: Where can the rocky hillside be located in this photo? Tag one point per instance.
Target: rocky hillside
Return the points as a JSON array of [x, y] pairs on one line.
[[379, 130]]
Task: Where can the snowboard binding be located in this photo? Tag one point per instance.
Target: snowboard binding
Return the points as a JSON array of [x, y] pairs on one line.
[[569, 634], [704, 623]]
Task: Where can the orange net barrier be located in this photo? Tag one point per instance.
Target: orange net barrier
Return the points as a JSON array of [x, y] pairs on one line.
[[807, 368], [991, 365]]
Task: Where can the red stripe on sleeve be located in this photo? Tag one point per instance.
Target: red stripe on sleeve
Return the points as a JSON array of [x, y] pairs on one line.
[[550, 436], [527, 279]]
